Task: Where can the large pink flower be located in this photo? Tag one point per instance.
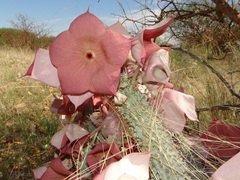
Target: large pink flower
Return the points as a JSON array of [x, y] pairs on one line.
[[88, 57]]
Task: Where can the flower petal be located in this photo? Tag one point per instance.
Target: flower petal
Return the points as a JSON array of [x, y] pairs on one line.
[[157, 29], [157, 68], [221, 140], [229, 170], [38, 172], [72, 131], [118, 27], [175, 105], [43, 70], [78, 100], [134, 165]]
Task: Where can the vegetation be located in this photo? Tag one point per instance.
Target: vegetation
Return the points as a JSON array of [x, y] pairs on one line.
[[19, 39]]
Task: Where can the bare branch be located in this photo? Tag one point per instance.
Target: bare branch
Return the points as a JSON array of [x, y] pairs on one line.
[[220, 107]]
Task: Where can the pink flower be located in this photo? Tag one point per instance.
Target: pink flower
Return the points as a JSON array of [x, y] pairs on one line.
[[89, 57]]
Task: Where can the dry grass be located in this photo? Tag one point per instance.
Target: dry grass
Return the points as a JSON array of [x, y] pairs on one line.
[[197, 80]]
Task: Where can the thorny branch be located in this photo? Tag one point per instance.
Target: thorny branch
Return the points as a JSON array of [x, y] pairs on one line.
[[211, 68]]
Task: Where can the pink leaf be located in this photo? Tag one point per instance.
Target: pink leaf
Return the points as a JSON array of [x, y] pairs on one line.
[[131, 166], [43, 70], [229, 170], [175, 105], [222, 140]]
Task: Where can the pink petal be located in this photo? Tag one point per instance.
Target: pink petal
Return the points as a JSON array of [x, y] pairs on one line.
[[78, 100], [185, 102], [229, 170], [87, 25], [134, 165], [137, 52], [39, 172], [118, 27], [222, 140], [72, 131], [175, 105], [157, 29], [43, 70], [157, 68]]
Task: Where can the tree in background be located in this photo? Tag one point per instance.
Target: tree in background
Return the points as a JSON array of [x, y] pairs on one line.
[[26, 33], [210, 23]]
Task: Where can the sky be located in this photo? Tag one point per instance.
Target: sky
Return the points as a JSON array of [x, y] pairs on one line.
[[58, 14]]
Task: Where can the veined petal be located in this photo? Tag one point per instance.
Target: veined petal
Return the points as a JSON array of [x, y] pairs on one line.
[[157, 29], [43, 70]]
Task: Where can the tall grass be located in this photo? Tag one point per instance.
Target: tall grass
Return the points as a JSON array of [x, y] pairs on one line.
[[197, 80]]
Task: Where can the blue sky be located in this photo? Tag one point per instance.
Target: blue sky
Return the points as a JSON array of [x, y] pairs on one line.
[[58, 14]]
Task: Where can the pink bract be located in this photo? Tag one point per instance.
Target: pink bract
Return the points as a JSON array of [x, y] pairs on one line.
[[89, 57]]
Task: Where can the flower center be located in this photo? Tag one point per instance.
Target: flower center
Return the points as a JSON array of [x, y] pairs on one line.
[[90, 55]]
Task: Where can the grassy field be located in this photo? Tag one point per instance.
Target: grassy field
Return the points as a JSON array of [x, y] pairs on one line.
[[27, 125]]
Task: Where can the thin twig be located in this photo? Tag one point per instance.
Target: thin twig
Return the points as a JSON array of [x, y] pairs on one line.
[[211, 68], [220, 107]]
